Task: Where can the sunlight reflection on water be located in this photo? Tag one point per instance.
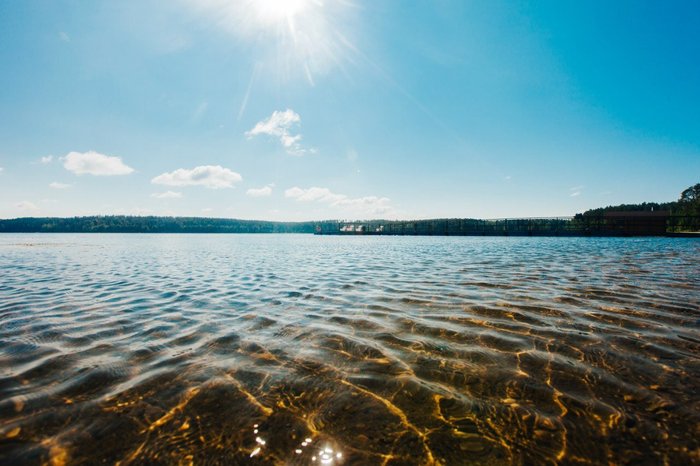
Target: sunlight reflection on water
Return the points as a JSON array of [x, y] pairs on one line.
[[293, 349]]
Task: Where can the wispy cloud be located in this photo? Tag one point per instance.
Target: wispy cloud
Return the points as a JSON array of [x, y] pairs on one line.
[[200, 111], [94, 163], [209, 176], [167, 195], [371, 206], [133, 211], [26, 205], [575, 191], [57, 185], [313, 194], [64, 36], [265, 191], [46, 160], [279, 125]]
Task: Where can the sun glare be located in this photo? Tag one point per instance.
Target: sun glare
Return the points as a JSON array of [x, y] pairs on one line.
[[290, 38], [279, 10]]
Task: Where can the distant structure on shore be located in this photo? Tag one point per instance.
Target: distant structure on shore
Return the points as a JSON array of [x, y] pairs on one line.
[[677, 218], [612, 223]]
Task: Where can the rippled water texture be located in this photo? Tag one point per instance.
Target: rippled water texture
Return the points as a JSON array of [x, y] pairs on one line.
[[293, 349]]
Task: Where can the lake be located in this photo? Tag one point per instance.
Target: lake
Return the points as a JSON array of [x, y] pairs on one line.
[[300, 349]]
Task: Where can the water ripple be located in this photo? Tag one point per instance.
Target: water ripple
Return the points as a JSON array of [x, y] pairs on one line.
[[293, 349]]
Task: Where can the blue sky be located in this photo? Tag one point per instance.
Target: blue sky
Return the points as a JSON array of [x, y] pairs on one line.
[[310, 109]]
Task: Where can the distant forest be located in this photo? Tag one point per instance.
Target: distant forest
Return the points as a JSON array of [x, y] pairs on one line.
[[687, 204], [684, 216], [132, 224]]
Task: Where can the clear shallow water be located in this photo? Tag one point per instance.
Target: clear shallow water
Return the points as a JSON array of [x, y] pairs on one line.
[[237, 349]]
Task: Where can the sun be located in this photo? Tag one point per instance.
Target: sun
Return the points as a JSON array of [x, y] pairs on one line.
[[273, 11], [289, 38]]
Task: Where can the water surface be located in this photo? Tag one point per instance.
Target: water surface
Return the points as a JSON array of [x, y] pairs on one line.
[[295, 349]]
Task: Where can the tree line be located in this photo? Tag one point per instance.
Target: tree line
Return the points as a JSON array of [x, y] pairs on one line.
[[687, 204], [684, 215], [619, 220], [150, 224]]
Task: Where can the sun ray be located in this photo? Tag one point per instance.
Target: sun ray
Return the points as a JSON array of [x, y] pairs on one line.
[[244, 103], [291, 38]]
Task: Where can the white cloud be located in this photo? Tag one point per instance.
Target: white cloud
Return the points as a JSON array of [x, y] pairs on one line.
[[1, 169], [26, 205], [314, 194], [209, 176], [279, 125], [94, 163], [575, 191], [57, 185], [63, 36], [259, 192], [368, 205], [206, 210], [47, 159], [167, 195]]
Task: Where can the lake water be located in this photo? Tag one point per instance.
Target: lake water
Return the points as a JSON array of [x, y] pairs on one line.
[[297, 349]]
